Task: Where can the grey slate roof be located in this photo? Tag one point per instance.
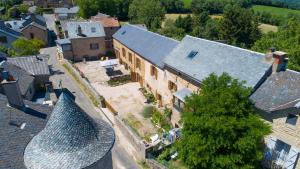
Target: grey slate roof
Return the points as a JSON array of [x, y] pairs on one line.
[[281, 90], [8, 31], [25, 79], [39, 19], [35, 20], [86, 27], [151, 46], [3, 56], [14, 140], [35, 65], [72, 10], [63, 41], [71, 139], [214, 57]]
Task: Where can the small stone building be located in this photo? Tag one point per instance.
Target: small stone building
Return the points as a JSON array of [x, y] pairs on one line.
[[83, 41]]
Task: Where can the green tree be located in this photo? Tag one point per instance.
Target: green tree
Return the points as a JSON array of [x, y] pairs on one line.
[[286, 39], [23, 8], [186, 23], [170, 30], [87, 8], [149, 12], [221, 129], [173, 6], [25, 47], [122, 8], [239, 26]]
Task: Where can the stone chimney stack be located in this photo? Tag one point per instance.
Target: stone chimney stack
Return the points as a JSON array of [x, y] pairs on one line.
[[12, 90], [79, 30], [280, 61]]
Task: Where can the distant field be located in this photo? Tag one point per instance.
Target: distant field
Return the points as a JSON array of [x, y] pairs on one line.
[[174, 16], [265, 28], [275, 10], [187, 3]]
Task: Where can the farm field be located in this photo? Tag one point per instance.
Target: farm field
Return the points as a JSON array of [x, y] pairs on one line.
[[265, 28], [274, 10]]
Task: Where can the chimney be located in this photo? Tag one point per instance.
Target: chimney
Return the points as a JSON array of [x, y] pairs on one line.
[[280, 61], [13, 93], [79, 30], [11, 88]]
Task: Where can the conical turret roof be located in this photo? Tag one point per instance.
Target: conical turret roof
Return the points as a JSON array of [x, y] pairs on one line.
[[71, 139]]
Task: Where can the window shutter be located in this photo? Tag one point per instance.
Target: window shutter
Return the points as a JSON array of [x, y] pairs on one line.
[[291, 158], [169, 85]]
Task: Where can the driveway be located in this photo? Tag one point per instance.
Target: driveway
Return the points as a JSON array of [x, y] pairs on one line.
[[120, 157]]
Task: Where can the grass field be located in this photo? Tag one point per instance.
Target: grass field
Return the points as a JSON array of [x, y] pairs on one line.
[[274, 10]]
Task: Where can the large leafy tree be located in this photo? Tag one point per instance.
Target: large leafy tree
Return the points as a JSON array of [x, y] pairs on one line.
[[23, 47], [286, 39], [221, 129], [239, 26], [149, 12]]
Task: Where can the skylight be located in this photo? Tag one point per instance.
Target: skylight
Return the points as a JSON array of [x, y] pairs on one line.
[[93, 29], [123, 32], [192, 54]]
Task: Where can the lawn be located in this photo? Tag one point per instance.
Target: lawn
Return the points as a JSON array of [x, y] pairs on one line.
[[275, 10]]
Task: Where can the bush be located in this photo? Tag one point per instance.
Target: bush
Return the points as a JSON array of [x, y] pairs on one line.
[[150, 97], [148, 111]]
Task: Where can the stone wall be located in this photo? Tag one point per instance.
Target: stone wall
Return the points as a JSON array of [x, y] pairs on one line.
[[140, 149], [154, 164]]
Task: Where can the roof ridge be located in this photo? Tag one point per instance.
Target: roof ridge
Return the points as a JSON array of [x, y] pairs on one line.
[[294, 71], [151, 32], [251, 51]]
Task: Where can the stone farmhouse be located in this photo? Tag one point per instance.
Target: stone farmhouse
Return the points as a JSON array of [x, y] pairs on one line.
[[29, 27], [83, 40], [173, 70]]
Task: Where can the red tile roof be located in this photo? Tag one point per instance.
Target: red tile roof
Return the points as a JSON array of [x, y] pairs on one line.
[[106, 20]]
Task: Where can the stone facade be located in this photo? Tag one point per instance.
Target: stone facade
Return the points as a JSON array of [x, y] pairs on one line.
[[34, 32], [81, 48]]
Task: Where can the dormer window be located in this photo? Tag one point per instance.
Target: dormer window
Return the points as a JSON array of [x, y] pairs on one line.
[[291, 119]]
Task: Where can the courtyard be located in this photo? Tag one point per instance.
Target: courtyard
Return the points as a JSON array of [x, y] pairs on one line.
[[127, 99]]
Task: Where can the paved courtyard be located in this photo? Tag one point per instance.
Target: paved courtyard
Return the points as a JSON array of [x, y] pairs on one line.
[[126, 99]]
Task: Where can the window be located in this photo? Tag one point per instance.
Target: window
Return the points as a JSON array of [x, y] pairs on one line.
[[192, 54], [130, 57], [94, 46], [93, 29], [123, 52], [291, 119], [283, 150], [138, 63], [31, 36], [3, 39], [172, 86], [153, 71], [67, 47]]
